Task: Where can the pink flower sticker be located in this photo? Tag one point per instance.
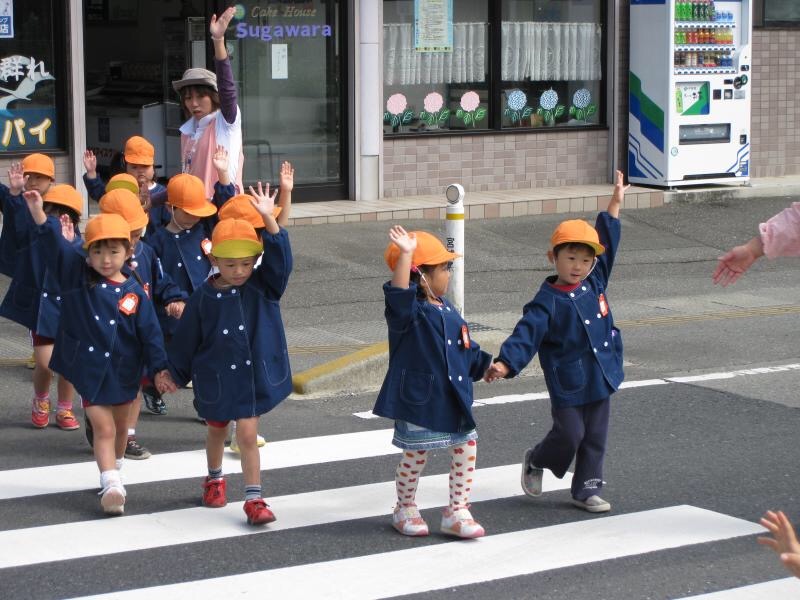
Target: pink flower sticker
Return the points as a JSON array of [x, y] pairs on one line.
[[433, 102], [470, 101], [396, 104]]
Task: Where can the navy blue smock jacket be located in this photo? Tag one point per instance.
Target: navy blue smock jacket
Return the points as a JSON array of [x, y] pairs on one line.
[[231, 344], [579, 347], [8, 237], [108, 332], [145, 267], [429, 381], [33, 298]]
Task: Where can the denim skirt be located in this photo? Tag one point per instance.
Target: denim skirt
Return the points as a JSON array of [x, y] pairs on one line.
[[412, 437]]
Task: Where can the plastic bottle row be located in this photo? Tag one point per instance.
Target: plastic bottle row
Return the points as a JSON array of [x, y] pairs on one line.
[[704, 36], [700, 10], [720, 60]]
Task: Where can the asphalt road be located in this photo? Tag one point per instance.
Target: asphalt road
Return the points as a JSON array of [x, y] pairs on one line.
[[706, 448]]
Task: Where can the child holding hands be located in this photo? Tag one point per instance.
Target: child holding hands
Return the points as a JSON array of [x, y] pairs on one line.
[[569, 323], [428, 387], [230, 343], [107, 333]]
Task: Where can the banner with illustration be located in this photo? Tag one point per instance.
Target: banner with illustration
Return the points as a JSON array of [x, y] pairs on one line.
[[26, 125]]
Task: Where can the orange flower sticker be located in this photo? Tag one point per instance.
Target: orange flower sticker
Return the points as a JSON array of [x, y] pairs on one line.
[[128, 303]]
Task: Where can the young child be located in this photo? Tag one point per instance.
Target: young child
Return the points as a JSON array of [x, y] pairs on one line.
[[34, 296], [145, 267], [107, 333], [209, 100], [231, 332], [183, 247], [428, 387], [139, 158], [569, 323]]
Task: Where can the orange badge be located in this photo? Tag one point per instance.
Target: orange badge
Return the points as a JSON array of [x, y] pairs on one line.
[[603, 305], [206, 246], [465, 335], [147, 289], [128, 303]]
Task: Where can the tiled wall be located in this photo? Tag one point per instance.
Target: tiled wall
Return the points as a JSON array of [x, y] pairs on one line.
[[775, 86]]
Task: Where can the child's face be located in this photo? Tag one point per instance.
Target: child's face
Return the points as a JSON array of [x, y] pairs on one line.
[[38, 182], [572, 264], [183, 219], [108, 258], [197, 104], [234, 271], [439, 278], [142, 173]]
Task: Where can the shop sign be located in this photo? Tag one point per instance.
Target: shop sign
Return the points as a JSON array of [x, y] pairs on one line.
[[24, 128], [282, 32], [7, 19]]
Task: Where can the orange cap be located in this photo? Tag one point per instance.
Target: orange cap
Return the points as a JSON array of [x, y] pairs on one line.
[[235, 238], [123, 181], [188, 193], [576, 231], [39, 164], [126, 204], [66, 195], [138, 151], [106, 226], [241, 207], [430, 251]]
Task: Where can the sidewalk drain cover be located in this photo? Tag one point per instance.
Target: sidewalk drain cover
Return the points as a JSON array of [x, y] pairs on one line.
[[480, 327]]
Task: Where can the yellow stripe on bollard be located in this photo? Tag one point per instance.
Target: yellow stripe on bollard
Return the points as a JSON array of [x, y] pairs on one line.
[[455, 216]]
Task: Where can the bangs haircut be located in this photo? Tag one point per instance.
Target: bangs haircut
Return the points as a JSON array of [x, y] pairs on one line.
[[107, 242], [573, 246], [53, 208], [201, 90]]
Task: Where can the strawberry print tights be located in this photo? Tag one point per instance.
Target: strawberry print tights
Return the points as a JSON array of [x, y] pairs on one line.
[[462, 468]]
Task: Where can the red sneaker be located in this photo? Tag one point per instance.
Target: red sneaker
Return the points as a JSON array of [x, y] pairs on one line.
[[214, 493], [40, 413], [66, 420], [258, 513]]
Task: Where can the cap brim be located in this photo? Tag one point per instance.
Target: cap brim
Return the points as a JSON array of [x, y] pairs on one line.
[[206, 211], [135, 159], [237, 249], [442, 257], [179, 85]]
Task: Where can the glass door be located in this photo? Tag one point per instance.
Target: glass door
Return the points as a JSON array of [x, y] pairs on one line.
[[289, 61]]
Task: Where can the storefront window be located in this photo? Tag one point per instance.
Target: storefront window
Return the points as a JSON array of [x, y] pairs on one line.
[[551, 63], [31, 79], [435, 65], [288, 59]]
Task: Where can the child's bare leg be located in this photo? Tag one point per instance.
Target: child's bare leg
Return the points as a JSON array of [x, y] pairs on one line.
[[121, 413], [42, 377], [246, 433], [215, 446], [106, 422], [102, 420]]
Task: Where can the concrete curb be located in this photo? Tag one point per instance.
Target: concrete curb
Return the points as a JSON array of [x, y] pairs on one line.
[[756, 189]]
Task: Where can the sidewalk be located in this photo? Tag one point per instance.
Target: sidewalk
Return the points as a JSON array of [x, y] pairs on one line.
[[532, 201]]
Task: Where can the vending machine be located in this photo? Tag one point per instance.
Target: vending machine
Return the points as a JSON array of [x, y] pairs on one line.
[[689, 99]]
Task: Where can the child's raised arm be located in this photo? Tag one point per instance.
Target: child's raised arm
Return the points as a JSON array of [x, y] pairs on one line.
[[285, 193], [618, 196], [16, 179], [407, 243], [35, 206], [220, 162]]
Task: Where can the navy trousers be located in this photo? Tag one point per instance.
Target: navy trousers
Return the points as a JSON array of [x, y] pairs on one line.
[[578, 432]]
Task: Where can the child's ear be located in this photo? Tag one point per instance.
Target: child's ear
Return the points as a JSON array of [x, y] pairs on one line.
[[551, 257], [213, 260]]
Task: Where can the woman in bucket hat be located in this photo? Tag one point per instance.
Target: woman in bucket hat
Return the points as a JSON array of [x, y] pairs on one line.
[[107, 335], [428, 386], [569, 323], [210, 101]]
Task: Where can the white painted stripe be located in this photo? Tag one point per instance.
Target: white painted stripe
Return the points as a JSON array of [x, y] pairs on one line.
[[140, 532], [780, 589], [73, 477], [461, 563], [625, 385]]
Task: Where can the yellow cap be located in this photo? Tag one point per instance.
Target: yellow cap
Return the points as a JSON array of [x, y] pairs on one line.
[[235, 238], [123, 181]]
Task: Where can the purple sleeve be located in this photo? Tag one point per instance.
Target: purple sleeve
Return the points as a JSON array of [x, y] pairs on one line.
[[227, 89]]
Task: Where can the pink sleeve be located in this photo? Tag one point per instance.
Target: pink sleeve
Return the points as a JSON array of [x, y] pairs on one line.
[[780, 235]]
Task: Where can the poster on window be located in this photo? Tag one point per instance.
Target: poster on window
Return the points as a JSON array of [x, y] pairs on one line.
[[433, 25], [7, 19]]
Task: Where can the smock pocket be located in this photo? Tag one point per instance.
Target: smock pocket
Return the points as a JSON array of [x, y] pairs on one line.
[[415, 387], [570, 377], [67, 348], [276, 368], [24, 296], [207, 388]]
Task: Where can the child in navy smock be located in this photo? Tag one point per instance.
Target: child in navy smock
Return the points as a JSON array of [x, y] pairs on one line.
[[569, 323], [231, 344], [34, 297], [107, 334], [428, 387], [145, 267]]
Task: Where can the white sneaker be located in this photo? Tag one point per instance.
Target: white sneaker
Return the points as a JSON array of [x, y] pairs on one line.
[[461, 524], [593, 504], [234, 446], [113, 499], [408, 521], [531, 478]]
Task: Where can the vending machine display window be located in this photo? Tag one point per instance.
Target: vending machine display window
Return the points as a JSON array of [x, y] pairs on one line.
[[718, 133]]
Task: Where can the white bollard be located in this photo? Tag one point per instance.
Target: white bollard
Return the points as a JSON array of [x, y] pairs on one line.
[[455, 242]]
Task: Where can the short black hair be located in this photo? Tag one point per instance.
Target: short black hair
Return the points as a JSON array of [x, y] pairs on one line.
[[54, 208], [573, 246]]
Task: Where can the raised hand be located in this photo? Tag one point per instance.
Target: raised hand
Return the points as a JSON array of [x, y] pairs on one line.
[[262, 200], [286, 177], [220, 158], [67, 228], [16, 179], [35, 206], [618, 195], [144, 195], [407, 242], [90, 164], [219, 24], [783, 541]]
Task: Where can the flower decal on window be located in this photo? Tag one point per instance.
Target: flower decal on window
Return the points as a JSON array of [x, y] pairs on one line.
[[471, 111], [516, 108], [549, 108], [434, 112], [582, 107], [397, 111]]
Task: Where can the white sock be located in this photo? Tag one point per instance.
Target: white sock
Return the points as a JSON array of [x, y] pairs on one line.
[[131, 432], [119, 462], [110, 478]]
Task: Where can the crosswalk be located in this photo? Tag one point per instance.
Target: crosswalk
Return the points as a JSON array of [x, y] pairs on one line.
[[438, 563]]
